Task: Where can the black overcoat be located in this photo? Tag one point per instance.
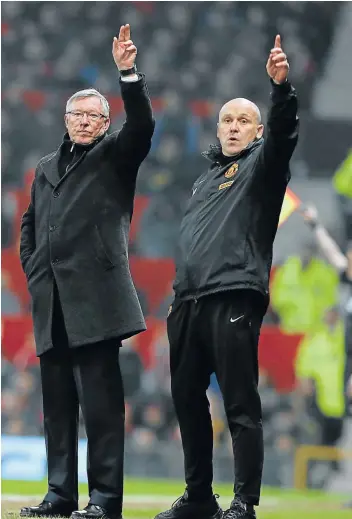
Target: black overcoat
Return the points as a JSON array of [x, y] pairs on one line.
[[75, 232]]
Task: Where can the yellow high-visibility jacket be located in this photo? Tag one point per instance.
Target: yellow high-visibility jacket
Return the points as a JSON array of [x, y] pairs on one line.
[[342, 180], [300, 296], [321, 358]]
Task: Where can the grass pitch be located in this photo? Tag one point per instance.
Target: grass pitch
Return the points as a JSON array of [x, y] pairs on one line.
[[146, 498]]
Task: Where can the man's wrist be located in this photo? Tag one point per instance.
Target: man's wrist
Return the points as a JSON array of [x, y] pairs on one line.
[[313, 224], [129, 75], [279, 84], [129, 79], [125, 72]]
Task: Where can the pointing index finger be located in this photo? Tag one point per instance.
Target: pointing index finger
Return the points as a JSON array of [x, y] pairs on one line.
[[278, 41]]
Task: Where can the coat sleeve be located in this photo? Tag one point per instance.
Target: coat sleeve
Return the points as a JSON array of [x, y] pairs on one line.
[[27, 242], [133, 142], [281, 133]]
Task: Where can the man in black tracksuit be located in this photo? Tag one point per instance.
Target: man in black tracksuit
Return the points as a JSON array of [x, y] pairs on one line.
[[221, 292]]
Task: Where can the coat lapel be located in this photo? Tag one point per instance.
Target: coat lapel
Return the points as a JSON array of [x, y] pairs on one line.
[[51, 168]]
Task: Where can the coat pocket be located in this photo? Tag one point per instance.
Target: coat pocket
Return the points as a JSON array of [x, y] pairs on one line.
[[30, 266], [101, 252]]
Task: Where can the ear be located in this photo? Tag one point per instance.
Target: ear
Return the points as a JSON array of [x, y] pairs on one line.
[[260, 131], [66, 120], [107, 124], [217, 130]]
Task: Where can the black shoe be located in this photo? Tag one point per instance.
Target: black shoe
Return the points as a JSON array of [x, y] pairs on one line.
[[47, 509], [185, 509], [239, 510], [94, 512]]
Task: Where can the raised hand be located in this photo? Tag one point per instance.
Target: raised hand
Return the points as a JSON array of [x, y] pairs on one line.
[[309, 213], [277, 65], [123, 50]]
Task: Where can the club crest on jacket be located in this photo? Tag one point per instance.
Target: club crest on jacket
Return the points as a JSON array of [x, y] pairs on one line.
[[231, 172]]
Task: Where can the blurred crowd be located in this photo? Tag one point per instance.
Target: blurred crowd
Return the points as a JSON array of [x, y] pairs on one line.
[[189, 76], [189, 73], [195, 56]]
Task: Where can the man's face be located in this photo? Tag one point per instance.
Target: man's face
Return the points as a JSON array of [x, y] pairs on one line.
[[85, 122], [239, 124]]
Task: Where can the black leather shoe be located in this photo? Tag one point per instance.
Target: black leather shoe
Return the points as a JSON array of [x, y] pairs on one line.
[[185, 509], [47, 509], [94, 512], [239, 510]]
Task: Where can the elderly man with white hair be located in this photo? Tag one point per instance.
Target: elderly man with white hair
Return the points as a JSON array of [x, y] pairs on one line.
[[74, 252]]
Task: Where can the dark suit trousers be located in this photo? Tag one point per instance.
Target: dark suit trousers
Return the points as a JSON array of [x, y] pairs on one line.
[[89, 377], [220, 334]]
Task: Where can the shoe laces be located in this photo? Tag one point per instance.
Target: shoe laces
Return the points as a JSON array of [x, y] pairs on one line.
[[96, 507], [181, 500], [236, 510]]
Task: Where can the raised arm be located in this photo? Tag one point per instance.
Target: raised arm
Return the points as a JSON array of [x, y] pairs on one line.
[[281, 133], [329, 247], [27, 243], [134, 139]]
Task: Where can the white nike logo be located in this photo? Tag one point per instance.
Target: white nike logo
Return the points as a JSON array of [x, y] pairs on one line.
[[195, 189], [237, 318]]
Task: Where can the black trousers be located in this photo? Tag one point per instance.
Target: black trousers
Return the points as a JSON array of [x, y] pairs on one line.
[[220, 334], [88, 376]]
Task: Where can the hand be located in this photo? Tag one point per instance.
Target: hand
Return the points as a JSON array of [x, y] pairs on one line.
[[277, 65], [123, 50], [310, 214]]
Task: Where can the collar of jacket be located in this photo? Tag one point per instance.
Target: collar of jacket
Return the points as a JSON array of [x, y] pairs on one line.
[[51, 164], [214, 154]]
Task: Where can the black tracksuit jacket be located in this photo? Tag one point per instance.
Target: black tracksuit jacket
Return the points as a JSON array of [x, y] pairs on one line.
[[228, 230]]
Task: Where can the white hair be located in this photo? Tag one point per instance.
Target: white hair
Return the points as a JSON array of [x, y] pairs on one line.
[[90, 92]]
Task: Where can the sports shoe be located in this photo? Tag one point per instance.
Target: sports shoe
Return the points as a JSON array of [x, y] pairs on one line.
[[94, 512], [47, 509], [185, 509], [239, 510]]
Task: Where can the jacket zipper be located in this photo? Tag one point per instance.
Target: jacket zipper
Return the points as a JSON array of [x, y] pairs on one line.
[[196, 298]]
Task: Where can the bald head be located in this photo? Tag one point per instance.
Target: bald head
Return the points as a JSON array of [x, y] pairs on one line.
[[239, 124], [245, 104]]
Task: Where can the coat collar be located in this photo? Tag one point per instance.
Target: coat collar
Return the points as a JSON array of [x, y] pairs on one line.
[[50, 166], [214, 153]]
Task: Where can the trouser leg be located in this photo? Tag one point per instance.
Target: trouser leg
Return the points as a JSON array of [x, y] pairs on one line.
[[190, 377], [100, 390], [233, 330], [60, 407]]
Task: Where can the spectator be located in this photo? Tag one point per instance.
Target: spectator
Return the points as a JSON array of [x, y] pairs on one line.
[[301, 291], [320, 368]]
